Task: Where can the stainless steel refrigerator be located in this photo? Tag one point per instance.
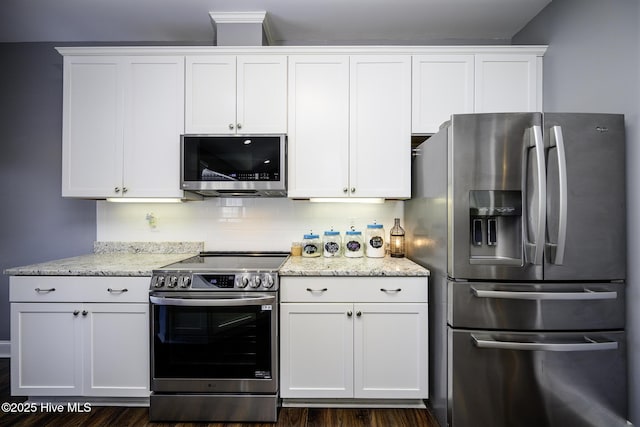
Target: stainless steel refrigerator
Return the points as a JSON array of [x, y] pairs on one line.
[[521, 219]]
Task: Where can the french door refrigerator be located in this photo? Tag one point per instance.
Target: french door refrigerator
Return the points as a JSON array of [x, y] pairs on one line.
[[521, 219]]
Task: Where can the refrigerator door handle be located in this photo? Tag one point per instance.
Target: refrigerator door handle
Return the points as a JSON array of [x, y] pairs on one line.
[[557, 249], [540, 222], [583, 344], [557, 296]]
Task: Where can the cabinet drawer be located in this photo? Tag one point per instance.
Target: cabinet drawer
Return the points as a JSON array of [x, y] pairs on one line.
[[78, 289], [353, 289]]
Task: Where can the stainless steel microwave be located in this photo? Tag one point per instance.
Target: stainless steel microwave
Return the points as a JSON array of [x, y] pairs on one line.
[[234, 165]]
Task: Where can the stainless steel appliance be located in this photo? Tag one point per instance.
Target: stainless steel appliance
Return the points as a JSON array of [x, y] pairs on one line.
[[521, 220], [234, 165], [214, 338]]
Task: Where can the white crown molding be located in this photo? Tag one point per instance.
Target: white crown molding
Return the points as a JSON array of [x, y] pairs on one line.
[[258, 17]]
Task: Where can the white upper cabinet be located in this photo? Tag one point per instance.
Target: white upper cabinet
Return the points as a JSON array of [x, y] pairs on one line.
[[508, 83], [380, 130], [349, 126], [229, 94], [122, 120], [318, 140], [442, 85]]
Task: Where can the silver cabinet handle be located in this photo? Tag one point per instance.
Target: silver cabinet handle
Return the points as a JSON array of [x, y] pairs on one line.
[[584, 344], [231, 126], [353, 189], [85, 312], [345, 190], [390, 290], [117, 189], [557, 296], [317, 290], [358, 313], [239, 125], [557, 141], [124, 189], [76, 312], [349, 313], [45, 291], [117, 291]]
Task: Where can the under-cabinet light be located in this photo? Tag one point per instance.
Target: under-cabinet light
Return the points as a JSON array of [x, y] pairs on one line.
[[144, 200], [346, 200]]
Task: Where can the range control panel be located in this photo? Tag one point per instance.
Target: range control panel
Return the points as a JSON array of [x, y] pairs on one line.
[[183, 281]]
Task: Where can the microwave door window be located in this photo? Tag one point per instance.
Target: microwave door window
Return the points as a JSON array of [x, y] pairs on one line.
[[233, 159]]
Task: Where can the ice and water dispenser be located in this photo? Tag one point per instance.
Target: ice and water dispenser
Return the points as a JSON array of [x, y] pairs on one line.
[[495, 227]]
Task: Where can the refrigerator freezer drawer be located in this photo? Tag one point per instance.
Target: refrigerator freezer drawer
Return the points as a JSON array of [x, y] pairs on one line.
[[536, 306], [537, 380]]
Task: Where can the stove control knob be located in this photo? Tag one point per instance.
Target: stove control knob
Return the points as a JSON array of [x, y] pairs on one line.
[[173, 282], [158, 282], [243, 283], [257, 281], [268, 283], [186, 281]]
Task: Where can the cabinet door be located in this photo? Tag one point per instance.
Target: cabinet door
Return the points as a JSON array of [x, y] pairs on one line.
[[46, 349], [318, 126], [154, 106], [380, 131], [210, 97], [116, 354], [442, 85], [261, 94], [92, 126], [316, 350], [390, 351], [507, 83]]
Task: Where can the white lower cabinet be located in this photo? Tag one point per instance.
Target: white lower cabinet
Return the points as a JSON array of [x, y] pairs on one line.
[[354, 338], [79, 347]]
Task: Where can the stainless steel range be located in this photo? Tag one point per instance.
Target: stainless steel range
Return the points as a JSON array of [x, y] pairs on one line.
[[214, 338]]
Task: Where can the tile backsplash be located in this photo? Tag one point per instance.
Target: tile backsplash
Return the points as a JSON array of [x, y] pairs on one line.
[[237, 224]]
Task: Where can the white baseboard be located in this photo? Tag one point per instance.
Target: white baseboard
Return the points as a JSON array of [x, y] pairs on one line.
[[5, 348]]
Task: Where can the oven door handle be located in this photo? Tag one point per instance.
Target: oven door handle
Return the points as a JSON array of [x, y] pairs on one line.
[[212, 302]]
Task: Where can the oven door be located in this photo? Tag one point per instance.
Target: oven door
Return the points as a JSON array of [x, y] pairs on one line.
[[216, 342]]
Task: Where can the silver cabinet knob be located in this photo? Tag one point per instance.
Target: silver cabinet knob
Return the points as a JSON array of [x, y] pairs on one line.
[[353, 189], [76, 312], [117, 189], [239, 126], [85, 312], [358, 313], [231, 126], [345, 190], [349, 313], [124, 189]]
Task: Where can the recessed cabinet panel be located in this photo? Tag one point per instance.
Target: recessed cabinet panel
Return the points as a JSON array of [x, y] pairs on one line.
[[380, 130], [210, 98], [442, 85], [507, 83], [45, 350], [153, 126], [92, 126], [318, 126]]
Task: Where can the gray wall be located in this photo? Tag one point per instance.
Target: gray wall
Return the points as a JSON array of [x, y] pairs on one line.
[[593, 65], [36, 223]]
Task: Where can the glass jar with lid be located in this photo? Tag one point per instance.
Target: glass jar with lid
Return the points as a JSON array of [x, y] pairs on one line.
[[311, 245], [375, 241], [332, 244], [353, 244]]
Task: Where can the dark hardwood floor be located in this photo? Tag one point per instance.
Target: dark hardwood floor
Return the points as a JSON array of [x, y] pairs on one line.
[[288, 417]]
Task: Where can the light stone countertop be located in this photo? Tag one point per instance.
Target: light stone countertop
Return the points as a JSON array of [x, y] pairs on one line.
[[114, 259], [343, 266]]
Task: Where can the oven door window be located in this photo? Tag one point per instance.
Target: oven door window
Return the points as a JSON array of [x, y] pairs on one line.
[[212, 342]]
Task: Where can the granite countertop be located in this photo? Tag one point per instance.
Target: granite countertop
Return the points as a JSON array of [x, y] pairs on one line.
[[114, 259], [343, 266]]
